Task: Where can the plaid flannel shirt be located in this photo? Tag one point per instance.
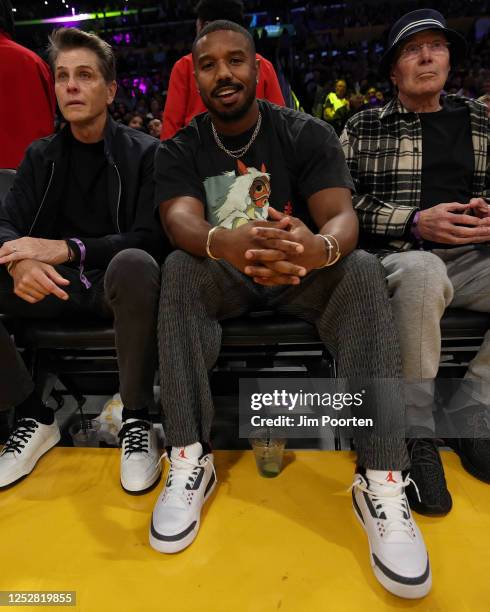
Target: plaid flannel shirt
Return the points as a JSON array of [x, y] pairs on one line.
[[383, 149]]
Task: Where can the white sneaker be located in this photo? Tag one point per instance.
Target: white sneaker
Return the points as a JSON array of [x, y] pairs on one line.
[[176, 516], [26, 444], [398, 554], [140, 459]]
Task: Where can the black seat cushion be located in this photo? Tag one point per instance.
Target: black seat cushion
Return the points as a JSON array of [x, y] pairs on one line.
[[65, 333], [254, 329], [98, 333], [457, 321], [265, 329]]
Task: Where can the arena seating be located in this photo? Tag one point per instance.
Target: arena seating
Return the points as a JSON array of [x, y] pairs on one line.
[[82, 354]]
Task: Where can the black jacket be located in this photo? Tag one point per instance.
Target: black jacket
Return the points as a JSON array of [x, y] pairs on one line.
[[30, 208]]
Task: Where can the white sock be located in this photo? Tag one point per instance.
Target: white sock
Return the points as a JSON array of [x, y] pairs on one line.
[[192, 451], [386, 477]]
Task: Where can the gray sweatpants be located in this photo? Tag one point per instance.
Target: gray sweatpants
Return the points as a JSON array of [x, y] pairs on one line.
[[422, 284], [348, 304], [128, 290]]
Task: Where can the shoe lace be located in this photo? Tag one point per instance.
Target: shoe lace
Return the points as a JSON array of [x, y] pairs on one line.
[[182, 475], [423, 451], [135, 437], [391, 505], [21, 435]]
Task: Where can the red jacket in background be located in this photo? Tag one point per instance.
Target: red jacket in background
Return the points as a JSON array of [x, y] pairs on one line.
[[184, 102], [27, 100]]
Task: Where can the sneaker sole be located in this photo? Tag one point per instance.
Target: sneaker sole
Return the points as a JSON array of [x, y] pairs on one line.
[[178, 545], [424, 510], [48, 445], [396, 588], [146, 487]]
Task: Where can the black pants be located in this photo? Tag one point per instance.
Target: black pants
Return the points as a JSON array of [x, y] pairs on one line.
[[128, 291]]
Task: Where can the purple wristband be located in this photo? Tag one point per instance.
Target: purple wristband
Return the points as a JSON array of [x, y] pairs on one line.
[[84, 280], [415, 229]]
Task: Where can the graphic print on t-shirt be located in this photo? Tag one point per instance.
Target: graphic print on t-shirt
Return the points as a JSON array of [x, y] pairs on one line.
[[237, 197]]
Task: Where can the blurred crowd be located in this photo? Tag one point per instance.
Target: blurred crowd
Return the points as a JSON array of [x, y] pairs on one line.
[[331, 88], [327, 78]]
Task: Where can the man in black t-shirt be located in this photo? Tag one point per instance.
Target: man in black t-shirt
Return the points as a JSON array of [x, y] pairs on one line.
[[78, 238], [421, 170], [257, 200]]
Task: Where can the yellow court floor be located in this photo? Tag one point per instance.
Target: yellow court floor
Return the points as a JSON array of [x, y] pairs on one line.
[[290, 544]]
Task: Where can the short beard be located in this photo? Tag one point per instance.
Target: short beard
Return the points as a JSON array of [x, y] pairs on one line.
[[238, 113]]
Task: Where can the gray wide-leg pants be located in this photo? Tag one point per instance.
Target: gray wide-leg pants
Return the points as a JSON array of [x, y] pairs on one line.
[[348, 304]]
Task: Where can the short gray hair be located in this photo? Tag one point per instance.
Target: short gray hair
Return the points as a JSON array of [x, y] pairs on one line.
[[65, 39]]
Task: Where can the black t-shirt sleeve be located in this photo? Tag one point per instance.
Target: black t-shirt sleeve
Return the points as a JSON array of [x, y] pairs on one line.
[[175, 172], [320, 159]]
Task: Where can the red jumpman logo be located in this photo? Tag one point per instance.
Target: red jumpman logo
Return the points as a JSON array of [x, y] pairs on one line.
[[390, 478], [182, 454]]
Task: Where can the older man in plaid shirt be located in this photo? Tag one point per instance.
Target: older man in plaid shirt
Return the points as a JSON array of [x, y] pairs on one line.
[[421, 166]]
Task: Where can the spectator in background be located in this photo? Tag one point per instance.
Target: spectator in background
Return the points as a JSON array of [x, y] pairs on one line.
[[155, 128], [155, 110], [317, 88], [356, 103], [336, 106], [137, 122], [183, 99], [26, 94], [374, 98], [121, 109], [141, 106]]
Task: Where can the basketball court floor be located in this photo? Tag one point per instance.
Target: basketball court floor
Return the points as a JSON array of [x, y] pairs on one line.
[[289, 544]]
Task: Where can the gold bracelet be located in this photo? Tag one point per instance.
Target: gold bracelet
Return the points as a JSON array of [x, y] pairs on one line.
[[208, 242], [336, 242], [339, 254], [328, 247], [335, 260], [331, 261]]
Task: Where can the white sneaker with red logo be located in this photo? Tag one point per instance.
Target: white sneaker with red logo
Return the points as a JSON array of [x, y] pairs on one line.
[[177, 513], [398, 554]]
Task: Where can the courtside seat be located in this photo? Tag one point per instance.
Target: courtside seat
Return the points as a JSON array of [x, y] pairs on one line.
[[45, 339], [81, 353], [459, 323], [64, 334], [257, 329]]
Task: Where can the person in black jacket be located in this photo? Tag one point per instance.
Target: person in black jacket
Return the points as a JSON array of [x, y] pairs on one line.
[[78, 237]]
